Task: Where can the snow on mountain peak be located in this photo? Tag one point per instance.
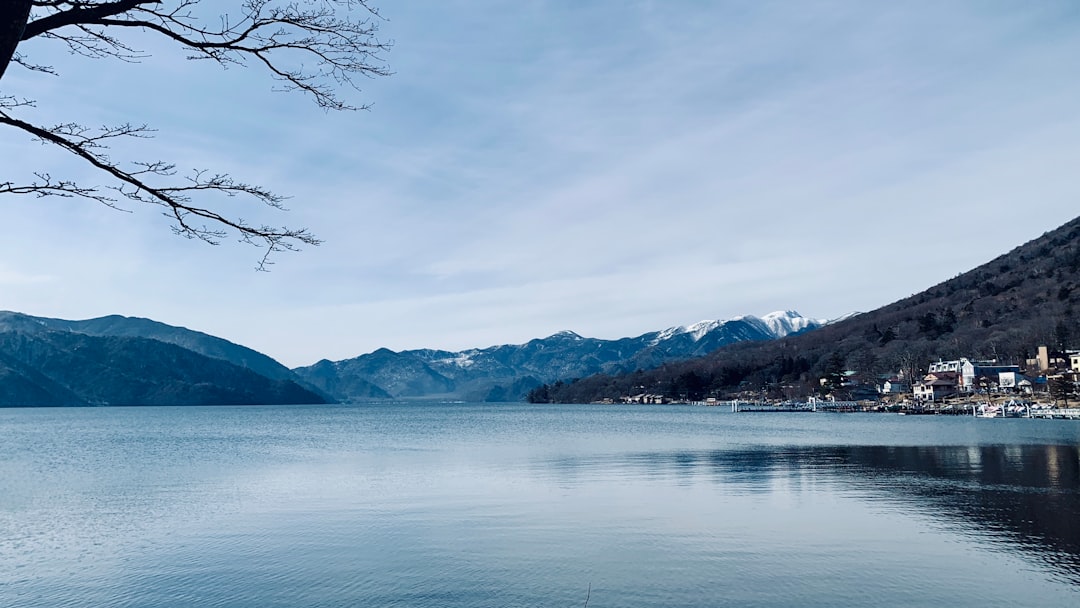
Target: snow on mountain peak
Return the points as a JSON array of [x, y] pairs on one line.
[[785, 322], [463, 359], [566, 333], [840, 318], [778, 324], [699, 329], [667, 334]]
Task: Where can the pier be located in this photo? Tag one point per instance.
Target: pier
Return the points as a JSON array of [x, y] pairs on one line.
[[739, 405], [795, 406], [1070, 413]]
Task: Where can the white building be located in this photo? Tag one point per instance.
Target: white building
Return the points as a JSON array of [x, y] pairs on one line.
[[946, 366], [968, 371], [893, 386], [936, 385], [971, 371]]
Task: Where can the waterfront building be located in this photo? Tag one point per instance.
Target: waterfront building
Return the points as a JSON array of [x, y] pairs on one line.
[[936, 385], [973, 373], [970, 372], [894, 386], [946, 366]]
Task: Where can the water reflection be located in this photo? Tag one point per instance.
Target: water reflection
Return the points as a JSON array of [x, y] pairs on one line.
[[1023, 499]]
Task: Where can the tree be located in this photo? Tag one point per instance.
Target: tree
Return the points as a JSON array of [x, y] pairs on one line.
[[834, 371], [315, 47], [687, 385], [887, 336], [1061, 388], [539, 394], [911, 363], [1062, 335]]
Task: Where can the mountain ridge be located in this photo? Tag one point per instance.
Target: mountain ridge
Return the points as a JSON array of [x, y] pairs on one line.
[[109, 361], [122, 326], [508, 371]]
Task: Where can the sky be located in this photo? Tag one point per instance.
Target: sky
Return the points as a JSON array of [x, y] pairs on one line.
[[606, 167]]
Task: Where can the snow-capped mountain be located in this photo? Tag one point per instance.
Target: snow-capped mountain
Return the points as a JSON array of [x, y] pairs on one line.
[[788, 322], [507, 372], [778, 324]]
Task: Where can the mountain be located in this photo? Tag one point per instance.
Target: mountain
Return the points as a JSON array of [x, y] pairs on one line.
[[508, 372], [1004, 310], [50, 362], [135, 327]]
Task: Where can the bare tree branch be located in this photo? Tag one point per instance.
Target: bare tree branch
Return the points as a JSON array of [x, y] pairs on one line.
[[78, 13], [307, 45], [135, 185], [45, 186], [312, 46], [33, 67]]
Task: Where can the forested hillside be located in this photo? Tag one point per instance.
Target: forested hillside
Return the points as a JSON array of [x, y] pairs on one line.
[[48, 362]]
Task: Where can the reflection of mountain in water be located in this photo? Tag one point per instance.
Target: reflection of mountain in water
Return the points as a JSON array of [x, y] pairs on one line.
[[1026, 496]]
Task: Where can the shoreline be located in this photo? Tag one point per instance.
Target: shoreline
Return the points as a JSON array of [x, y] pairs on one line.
[[976, 408]]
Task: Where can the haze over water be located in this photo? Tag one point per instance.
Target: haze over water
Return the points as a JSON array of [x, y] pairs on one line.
[[520, 505]]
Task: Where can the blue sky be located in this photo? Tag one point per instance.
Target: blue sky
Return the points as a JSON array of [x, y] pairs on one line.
[[606, 167]]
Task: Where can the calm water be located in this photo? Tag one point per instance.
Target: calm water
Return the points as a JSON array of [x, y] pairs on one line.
[[516, 505]]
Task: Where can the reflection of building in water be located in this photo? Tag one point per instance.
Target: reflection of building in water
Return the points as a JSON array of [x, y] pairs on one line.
[[1026, 497], [1054, 466], [974, 456]]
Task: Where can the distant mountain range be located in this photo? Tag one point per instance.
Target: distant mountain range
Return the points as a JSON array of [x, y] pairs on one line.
[[129, 361], [117, 360], [508, 372]]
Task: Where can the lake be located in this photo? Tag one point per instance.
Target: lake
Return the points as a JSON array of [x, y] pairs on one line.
[[479, 505]]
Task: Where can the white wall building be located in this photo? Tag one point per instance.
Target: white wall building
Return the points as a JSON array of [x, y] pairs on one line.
[[970, 371], [946, 366]]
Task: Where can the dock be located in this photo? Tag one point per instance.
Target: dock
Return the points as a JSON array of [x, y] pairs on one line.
[[1069, 413], [795, 406]]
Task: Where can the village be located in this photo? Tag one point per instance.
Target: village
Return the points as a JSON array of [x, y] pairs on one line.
[[1047, 386], [1046, 382]]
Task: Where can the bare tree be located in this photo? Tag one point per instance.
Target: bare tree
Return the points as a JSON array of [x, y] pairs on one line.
[[315, 47]]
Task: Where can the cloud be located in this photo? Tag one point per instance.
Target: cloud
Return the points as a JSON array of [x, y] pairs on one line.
[[9, 277]]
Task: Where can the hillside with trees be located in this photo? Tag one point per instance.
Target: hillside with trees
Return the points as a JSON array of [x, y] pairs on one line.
[[52, 362], [1001, 310]]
